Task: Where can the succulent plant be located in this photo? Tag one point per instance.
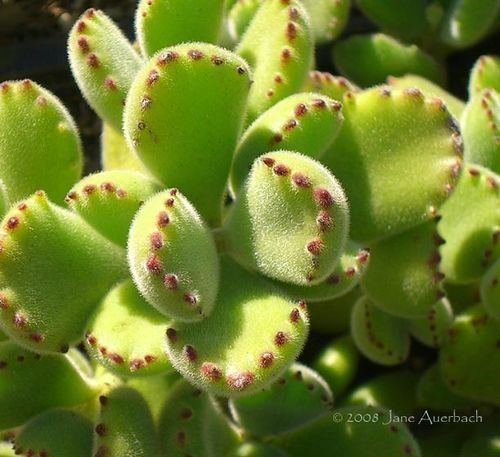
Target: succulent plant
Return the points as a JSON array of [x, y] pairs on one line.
[[467, 361], [404, 18], [432, 392], [284, 27], [161, 24], [299, 397], [192, 422], [338, 364], [480, 126], [56, 432], [381, 337], [368, 59], [124, 425], [454, 104], [359, 438], [49, 134], [485, 74], [273, 260], [389, 390], [466, 21]]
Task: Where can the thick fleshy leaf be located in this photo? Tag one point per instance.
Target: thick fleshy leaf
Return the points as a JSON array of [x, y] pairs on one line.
[[346, 276], [379, 336], [54, 270], [59, 383], [369, 59], [125, 334], [454, 105], [485, 75], [58, 433], [278, 45], [299, 397], [470, 226], [172, 257], [192, 424], [305, 123], [36, 130], [162, 23], [328, 18], [183, 117], [338, 364], [252, 336], [481, 130], [468, 21], [397, 156], [109, 200], [432, 330], [433, 393], [402, 277], [404, 18], [490, 290], [103, 63], [288, 193], [470, 361], [332, 86], [394, 391], [116, 154], [124, 426], [347, 436]]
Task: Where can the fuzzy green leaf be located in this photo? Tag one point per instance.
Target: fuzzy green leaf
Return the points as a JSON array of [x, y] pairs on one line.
[[56, 433], [346, 276], [481, 130], [103, 63], [299, 397], [289, 193], [31, 384], [116, 153], [470, 361], [252, 336], [397, 156], [55, 269], [38, 131], [305, 123], [432, 330], [192, 424], [325, 83], [485, 75], [381, 337], [490, 290], [162, 23], [402, 277], [125, 334], [367, 438], [183, 117], [328, 18], [338, 364], [468, 21], [470, 225], [278, 45], [454, 105], [369, 59], [393, 390], [433, 393], [109, 200], [124, 427], [404, 18], [172, 257]]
